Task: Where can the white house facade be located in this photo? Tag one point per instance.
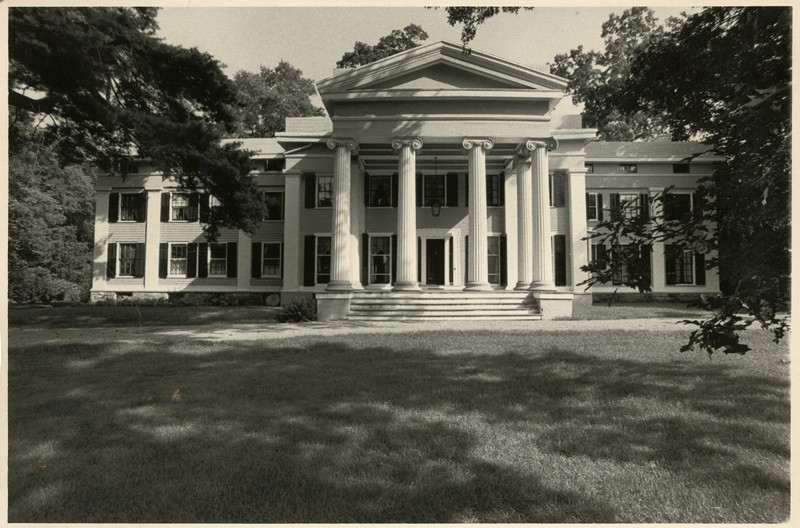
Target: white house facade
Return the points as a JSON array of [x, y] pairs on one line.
[[441, 185]]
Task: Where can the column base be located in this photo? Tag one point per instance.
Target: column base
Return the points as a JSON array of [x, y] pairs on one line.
[[406, 286], [478, 286], [342, 286], [523, 286]]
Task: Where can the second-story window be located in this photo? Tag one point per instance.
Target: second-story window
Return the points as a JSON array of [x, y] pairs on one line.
[[180, 206], [380, 190], [324, 191], [130, 208], [628, 168], [274, 203]]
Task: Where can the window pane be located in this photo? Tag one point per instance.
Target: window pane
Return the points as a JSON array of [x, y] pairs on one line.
[[380, 191], [219, 251], [629, 205], [179, 251], [272, 251], [324, 191]]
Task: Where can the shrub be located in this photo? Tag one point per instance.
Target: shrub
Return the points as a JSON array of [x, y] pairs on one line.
[[298, 311]]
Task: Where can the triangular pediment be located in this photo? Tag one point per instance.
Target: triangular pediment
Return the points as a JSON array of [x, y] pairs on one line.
[[441, 66]]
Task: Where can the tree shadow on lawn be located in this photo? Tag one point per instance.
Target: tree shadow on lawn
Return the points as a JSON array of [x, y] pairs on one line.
[[327, 431]]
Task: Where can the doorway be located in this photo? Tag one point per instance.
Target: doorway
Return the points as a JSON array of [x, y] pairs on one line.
[[434, 261]]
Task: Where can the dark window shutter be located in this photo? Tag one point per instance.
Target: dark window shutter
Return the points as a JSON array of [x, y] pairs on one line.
[[111, 263], [204, 207], [113, 207], [558, 189], [194, 201], [504, 260], [550, 187], [452, 190], [466, 191], [698, 204], [309, 254], [394, 259], [466, 257], [419, 259], [165, 207], [560, 254], [644, 206], [191, 261], [255, 261], [311, 192], [501, 190], [588, 214], [615, 212], [141, 214], [646, 267], [602, 254], [163, 259], [233, 261], [202, 260], [669, 264], [600, 207], [366, 189], [364, 259], [420, 190], [450, 252], [138, 263], [699, 269], [395, 189]]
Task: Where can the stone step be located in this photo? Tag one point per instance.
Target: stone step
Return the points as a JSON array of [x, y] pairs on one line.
[[459, 317], [439, 307], [442, 313], [416, 301]]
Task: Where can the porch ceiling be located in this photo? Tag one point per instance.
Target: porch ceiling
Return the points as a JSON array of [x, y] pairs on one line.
[[444, 158]]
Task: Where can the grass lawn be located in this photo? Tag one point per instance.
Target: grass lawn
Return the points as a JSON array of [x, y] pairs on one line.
[[435, 426]]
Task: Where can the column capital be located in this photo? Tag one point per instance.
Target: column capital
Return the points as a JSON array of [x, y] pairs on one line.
[[530, 145], [414, 143], [471, 143], [349, 144]]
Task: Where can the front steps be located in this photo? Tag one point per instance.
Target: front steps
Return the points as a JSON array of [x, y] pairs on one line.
[[443, 305]]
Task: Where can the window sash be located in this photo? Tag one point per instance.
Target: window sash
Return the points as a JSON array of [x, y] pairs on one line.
[[180, 206], [129, 207], [493, 259], [323, 260], [684, 267], [629, 206], [591, 206], [324, 191], [380, 260], [178, 260], [217, 260], [271, 260], [380, 190], [493, 190], [127, 260]]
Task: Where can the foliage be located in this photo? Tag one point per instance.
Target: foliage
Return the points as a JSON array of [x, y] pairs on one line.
[[595, 78], [50, 226], [725, 76], [471, 17], [398, 40], [298, 311], [268, 97], [111, 89]]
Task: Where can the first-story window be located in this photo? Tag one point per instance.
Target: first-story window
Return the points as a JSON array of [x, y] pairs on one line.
[[324, 191], [178, 260], [323, 270], [493, 190], [599, 255], [620, 275], [493, 253], [217, 260], [679, 265], [271, 260], [380, 190], [380, 260], [127, 260], [558, 189]]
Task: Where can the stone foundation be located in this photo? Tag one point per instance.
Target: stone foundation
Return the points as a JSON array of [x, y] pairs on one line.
[[333, 306], [554, 305]]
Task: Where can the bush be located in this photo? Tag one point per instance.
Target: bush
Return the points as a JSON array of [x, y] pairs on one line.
[[298, 311]]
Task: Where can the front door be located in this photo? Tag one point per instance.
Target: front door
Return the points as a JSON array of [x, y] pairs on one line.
[[434, 261]]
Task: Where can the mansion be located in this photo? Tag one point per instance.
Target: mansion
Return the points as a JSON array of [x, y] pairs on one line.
[[442, 185]]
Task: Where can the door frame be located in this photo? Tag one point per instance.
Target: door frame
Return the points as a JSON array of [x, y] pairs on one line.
[[441, 234]]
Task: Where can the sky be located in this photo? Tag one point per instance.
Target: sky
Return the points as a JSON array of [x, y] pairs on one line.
[[314, 38]]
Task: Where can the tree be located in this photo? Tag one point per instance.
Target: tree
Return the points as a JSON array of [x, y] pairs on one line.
[[724, 76], [268, 97], [597, 78], [398, 40], [113, 89], [472, 17]]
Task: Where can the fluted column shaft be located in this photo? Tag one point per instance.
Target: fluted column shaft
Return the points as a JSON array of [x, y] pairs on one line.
[[524, 222], [407, 214], [542, 254], [477, 255], [340, 221]]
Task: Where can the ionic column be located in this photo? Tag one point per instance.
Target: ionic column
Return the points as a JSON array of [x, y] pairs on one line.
[[542, 251], [340, 224], [407, 214], [524, 218], [478, 278]]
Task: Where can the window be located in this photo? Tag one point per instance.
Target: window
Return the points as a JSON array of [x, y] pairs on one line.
[[684, 265], [680, 168], [178, 260], [493, 252], [599, 255], [592, 207], [677, 206], [493, 190], [380, 260], [217, 260], [589, 168], [271, 261], [380, 191], [324, 191], [629, 205], [180, 206], [558, 189], [127, 260], [275, 164], [433, 190], [130, 208], [323, 274], [628, 168], [620, 275], [274, 202]]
